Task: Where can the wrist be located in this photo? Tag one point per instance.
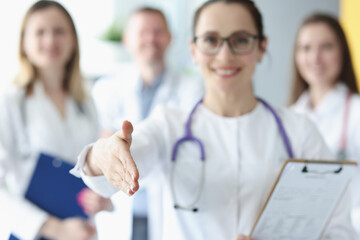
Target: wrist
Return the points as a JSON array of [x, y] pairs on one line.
[[90, 168]]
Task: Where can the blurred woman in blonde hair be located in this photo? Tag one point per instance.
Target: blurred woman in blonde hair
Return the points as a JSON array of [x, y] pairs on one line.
[[46, 109], [36, 60]]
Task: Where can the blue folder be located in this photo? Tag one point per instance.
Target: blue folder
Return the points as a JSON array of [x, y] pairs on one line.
[[53, 189]]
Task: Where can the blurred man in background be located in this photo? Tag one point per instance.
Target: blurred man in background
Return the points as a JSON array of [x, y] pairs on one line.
[[132, 94]]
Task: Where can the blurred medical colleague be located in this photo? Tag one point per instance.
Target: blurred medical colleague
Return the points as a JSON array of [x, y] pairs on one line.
[[46, 109], [132, 93], [222, 158], [324, 88]]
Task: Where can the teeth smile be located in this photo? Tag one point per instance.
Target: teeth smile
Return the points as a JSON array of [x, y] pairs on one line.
[[225, 72]]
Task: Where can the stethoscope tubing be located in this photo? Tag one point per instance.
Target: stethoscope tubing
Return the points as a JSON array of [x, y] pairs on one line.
[[341, 154], [189, 137]]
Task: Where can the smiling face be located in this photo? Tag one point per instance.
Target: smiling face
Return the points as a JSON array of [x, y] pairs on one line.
[[48, 39], [147, 37], [225, 71], [318, 55]]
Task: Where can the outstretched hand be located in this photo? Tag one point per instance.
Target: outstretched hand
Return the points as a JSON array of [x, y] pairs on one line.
[[111, 157]]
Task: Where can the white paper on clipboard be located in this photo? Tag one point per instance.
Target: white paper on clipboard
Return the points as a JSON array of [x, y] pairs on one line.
[[303, 199]]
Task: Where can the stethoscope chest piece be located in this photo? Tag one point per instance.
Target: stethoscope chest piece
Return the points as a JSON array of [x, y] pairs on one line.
[[188, 137], [189, 206]]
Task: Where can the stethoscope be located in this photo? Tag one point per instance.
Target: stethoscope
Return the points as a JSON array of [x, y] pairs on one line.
[[341, 154], [188, 137]]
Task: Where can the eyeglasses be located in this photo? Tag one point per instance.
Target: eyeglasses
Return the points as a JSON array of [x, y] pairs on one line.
[[240, 42]]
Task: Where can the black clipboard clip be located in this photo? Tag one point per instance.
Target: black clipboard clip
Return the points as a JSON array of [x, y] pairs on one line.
[[306, 170]]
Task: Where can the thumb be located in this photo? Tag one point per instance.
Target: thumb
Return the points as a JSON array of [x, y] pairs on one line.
[[126, 132]]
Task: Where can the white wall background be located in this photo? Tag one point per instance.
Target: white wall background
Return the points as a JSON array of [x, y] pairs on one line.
[[271, 81]]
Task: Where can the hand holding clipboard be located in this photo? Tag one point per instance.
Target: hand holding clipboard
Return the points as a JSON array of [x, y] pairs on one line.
[[55, 191], [303, 199]]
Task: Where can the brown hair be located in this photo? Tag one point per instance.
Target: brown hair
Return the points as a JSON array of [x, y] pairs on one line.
[[73, 81], [347, 75], [251, 7]]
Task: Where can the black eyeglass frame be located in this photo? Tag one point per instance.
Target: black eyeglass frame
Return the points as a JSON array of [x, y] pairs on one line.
[[227, 39]]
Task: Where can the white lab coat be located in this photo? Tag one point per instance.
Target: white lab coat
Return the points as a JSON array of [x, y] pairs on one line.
[[243, 157], [328, 116], [117, 98], [44, 131]]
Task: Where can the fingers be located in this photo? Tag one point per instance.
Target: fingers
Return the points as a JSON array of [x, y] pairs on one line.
[[76, 229], [243, 237], [92, 202], [116, 161], [91, 230], [121, 170]]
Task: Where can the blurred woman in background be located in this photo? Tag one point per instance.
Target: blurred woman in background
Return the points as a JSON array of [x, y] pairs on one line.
[[324, 88], [45, 110]]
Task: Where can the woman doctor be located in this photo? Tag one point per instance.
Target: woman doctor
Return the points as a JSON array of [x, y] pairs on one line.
[[230, 150], [324, 88], [46, 110]]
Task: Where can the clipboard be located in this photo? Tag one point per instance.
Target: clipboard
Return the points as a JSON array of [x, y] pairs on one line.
[[53, 189], [302, 199]]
